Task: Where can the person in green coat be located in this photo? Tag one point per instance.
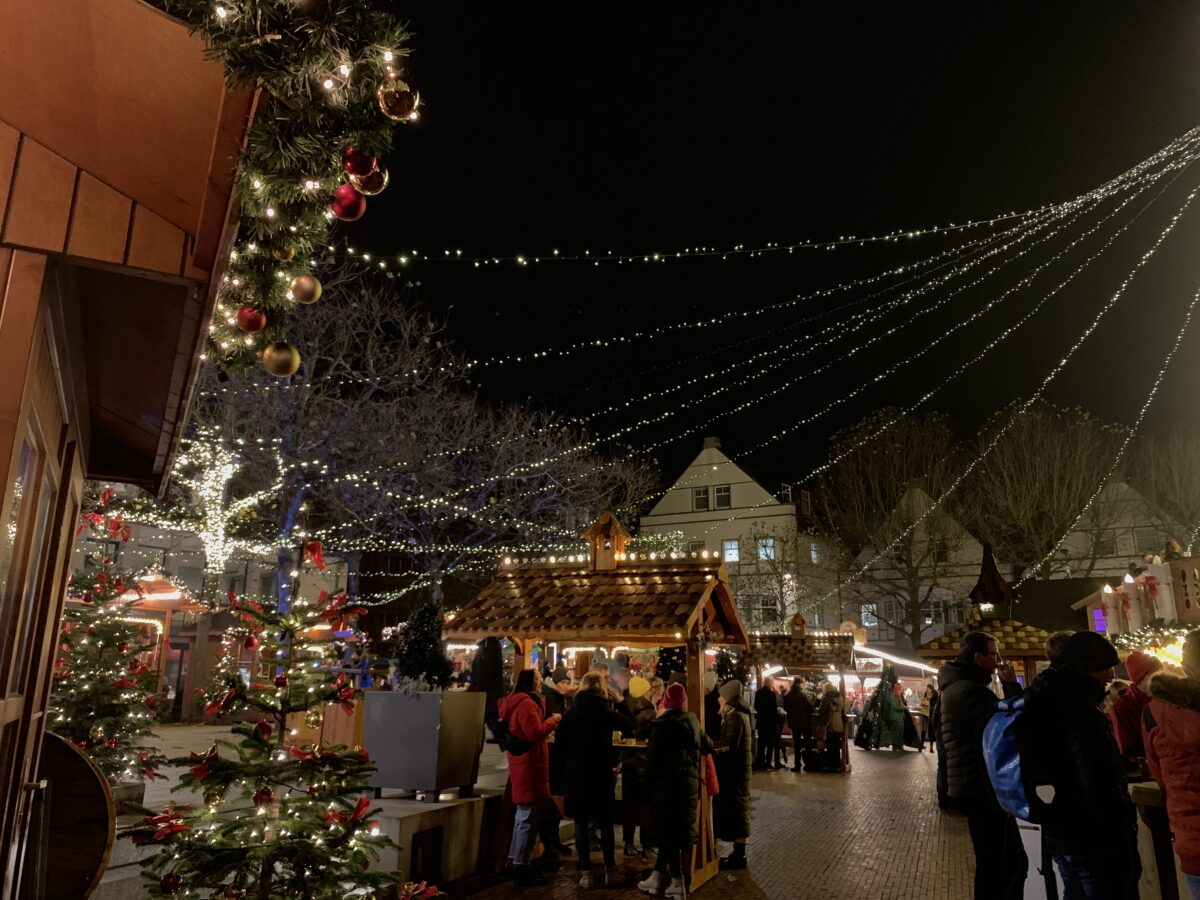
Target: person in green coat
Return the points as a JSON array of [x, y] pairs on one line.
[[734, 758], [893, 712]]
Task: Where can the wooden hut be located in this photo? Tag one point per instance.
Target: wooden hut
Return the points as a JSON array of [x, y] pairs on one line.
[[611, 597], [1024, 646]]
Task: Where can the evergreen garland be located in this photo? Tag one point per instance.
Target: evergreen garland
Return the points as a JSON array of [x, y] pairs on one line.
[[320, 66], [670, 660], [419, 656], [729, 666]]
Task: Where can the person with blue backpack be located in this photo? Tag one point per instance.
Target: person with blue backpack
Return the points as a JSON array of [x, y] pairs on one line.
[[966, 705]]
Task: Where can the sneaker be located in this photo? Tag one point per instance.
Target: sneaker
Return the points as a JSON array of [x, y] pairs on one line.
[[631, 850], [587, 879], [653, 884], [528, 876], [674, 889], [613, 876]]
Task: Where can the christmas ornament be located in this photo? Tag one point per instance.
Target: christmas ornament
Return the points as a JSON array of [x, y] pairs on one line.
[[348, 204], [281, 359], [398, 102], [170, 883], [250, 643], [281, 681], [370, 184], [356, 162], [283, 254], [263, 796], [251, 320], [305, 289]]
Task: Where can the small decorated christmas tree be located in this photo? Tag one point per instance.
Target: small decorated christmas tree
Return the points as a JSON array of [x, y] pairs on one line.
[[729, 666], [870, 731], [103, 696], [670, 660], [279, 819], [419, 657]]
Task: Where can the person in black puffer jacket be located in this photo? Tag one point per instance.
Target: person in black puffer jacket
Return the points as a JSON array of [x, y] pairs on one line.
[[966, 705], [1089, 824]]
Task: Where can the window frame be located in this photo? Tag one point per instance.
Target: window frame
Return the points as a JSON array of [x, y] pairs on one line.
[[736, 548], [697, 492], [762, 544], [722, 490]]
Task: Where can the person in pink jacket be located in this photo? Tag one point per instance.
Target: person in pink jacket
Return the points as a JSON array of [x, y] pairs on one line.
[[522, 713], [1171, 724], [1127, 708]]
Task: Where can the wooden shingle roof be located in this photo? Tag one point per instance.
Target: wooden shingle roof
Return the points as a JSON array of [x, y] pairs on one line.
[[1015, 639], [817, 650], [646, 601]]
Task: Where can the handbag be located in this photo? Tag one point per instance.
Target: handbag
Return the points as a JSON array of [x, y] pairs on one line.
[[711, 786]]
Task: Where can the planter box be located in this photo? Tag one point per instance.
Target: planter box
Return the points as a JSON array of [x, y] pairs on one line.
[[426, 742], [128, 794]]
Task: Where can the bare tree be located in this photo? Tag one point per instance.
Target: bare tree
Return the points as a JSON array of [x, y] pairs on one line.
[[1035, 483], [1166, 471]]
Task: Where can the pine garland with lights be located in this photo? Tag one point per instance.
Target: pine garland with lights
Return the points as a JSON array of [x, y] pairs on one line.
[[1156, 635], [307, 831], [670, 660], [332, 91]]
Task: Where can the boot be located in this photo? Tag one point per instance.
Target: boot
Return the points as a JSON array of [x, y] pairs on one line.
[[675, 888], [736, 859], [528, 876], [653, 884]]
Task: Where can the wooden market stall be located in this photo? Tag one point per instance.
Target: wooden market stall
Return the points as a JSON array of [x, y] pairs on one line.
[[1024, 646], [609, 596], [816, 652]]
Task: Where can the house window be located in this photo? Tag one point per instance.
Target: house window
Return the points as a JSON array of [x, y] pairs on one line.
[[1105, 543], [700, 498], [1098, 623], [814, 553], [941, 551], [723, 496], [766, 548], [1148, 540], [695, 546], [730, 552]]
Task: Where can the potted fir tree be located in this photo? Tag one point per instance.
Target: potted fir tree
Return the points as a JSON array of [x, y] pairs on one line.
[[425, 739]]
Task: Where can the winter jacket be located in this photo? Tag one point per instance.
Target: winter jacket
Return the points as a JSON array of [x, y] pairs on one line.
[[529, 772], [799, 709], [487, 674], [641, 710], [1066, 743], [965, 704], [584, 739], [1172, 739], [1126, 716], [766, 709], [712, 715], [674, 758], [829, 713], [734, 757]]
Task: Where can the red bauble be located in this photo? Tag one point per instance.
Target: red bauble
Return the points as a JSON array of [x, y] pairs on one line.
[[122, 647], [263, 730], [348, 204], [170, 883], [356, 162], [281, 681], [250, 643], [251, 320], [263, 796]]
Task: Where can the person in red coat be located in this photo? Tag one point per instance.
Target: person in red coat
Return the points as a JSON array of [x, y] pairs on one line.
[[1171, 725], [1127, 708], [522, 713]]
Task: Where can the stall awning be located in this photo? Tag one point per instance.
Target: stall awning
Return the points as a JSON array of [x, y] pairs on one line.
[[822, 651], [1015, 638]]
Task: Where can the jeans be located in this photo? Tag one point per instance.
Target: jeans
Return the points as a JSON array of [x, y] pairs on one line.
[[669, 859], [1104, 877], [832, 761], [583, 841], [1000, 861], [768, 746], [524, 827], [1193, 883]]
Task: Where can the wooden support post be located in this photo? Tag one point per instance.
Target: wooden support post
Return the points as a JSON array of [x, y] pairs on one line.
[[845, 743], [704, 863]]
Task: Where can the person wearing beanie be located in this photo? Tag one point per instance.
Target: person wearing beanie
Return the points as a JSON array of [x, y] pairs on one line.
[[673, 759], [637, 706], [1075, 776], [734, 758], [1127, 709], [712, 706], [1172, 736]]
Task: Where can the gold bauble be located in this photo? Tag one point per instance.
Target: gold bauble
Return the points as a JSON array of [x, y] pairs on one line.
[[305, 289], [398, 102], [281, 359], [283, 254], [372, 183]]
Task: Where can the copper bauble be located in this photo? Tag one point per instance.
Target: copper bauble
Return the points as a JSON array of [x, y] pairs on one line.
[[348, 204], [305, 289], [251, 320], [356, 162], [370, 184], [281, 359], [397, 101], [283, 254]]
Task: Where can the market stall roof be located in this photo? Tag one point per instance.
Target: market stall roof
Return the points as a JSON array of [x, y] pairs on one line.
[[822, 651], [1016, 639], [652, 602]]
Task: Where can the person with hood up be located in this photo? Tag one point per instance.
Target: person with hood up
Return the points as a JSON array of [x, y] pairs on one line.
[[965, 706], [799, 710], [585, 738], [1073, 769], [1172, 736], [487, 677], [712, 706], [829, 729], [1127, 708], [733, 755], [674, 757], [528, 772]]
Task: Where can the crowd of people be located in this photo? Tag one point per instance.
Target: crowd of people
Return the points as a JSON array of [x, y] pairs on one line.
[[1080, 737]]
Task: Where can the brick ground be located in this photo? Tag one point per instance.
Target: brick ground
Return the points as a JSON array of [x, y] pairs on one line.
[[875, 834]]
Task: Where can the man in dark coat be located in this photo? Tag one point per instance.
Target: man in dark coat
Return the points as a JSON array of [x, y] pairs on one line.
[[799, 711], [734, 758], [1073, 768], [766, 715], [585, 740], [487, 677], [674, 758], [967, 703]]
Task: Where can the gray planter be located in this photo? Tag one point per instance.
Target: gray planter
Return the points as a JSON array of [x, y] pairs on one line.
[[128, 794], [427, 742]]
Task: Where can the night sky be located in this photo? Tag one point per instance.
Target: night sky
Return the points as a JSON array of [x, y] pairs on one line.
[[638, 127]]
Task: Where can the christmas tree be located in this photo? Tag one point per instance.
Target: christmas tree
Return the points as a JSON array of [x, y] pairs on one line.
[[670, 660], [279, 819], [729, 666], [419, 656], [870, 731], [103, 696]]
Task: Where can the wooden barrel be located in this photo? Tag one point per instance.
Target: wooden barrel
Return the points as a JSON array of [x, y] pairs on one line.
[[82, 820]]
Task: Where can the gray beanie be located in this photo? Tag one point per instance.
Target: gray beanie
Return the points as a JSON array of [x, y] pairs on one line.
[[1087, 652], [731, 690]]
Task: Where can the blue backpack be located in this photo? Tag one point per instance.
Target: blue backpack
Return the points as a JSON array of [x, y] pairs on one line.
[[1002, 755]]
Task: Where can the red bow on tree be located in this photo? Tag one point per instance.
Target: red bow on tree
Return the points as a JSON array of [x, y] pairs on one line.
[[341, 816], [118, 529], [303, 755], [337, 611], [314, 553], [221, 703], [171, 823], [204, 763], [106, 496], [89, 518]]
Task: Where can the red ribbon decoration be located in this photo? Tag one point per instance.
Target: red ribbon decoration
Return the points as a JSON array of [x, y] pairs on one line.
[[336, 615], [314, 553], [89, 518], [220, 704]]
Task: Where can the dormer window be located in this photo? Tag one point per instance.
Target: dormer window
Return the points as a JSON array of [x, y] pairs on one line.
[[700, 498], [723, 495]]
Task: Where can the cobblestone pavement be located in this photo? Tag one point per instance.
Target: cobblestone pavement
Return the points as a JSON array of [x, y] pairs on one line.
[[875, 834]]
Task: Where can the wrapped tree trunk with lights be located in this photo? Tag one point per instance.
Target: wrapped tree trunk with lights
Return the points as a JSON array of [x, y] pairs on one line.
[[279, 818]]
